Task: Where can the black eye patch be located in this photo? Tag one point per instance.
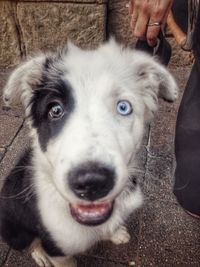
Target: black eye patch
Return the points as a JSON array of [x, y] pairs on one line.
[[50, 98]]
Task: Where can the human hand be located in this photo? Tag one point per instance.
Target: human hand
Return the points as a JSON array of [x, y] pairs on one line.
[[147, 16]]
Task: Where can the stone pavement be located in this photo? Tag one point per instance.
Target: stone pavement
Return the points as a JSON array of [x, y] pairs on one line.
[[162, 234]]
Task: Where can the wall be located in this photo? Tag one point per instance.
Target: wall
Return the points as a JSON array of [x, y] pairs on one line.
[[30, 26]]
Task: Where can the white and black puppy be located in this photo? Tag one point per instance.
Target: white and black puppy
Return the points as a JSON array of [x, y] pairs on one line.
[[86, 111]]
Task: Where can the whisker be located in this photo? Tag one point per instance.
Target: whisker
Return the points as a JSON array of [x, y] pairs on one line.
[[20, 194], [29, 195], [20, 168]]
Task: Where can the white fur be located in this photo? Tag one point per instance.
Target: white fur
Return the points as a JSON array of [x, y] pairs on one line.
[[94, 131], [44, 260]]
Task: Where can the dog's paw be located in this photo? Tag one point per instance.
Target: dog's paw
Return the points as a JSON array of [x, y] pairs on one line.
[[40, 258], [64, 262], [71, 263], [120, 236]]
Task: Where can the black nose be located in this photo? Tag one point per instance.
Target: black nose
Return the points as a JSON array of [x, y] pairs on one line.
[[91, 181]]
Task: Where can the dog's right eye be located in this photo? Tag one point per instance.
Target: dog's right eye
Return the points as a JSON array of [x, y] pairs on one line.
[[124, 107], [56, 111]]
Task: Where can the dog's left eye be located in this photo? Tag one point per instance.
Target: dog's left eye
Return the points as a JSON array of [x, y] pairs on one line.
[[124, 107], [56, 111]]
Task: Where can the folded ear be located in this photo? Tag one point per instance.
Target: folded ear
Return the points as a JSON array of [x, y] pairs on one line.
[[154, 80], [22, 81]]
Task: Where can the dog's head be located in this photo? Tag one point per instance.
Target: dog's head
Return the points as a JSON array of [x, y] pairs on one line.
[[87, 111]]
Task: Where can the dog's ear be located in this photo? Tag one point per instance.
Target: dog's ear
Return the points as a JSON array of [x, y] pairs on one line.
[[22, 81], [154, 80]]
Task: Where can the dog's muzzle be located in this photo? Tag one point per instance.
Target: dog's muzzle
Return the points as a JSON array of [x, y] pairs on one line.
[[91, 182]]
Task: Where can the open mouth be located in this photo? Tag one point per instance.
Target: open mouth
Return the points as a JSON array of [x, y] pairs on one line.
[[91, 214]]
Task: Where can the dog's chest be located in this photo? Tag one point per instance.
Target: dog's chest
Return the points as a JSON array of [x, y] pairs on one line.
[[68, 235]]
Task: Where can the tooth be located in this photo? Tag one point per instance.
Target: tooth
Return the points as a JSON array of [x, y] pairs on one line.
[[79, 210]]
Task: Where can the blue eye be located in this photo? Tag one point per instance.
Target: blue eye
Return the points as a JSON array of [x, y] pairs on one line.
[[124, 108], [56, 111]]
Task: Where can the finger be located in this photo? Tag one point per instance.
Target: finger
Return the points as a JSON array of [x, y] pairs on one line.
[[153, 30], [130, 7], [160, 16], [134, 18], [141, 25], [152, 34], [166, 15]]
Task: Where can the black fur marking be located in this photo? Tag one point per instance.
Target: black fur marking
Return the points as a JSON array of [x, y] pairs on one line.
[[20, 222], [52, 88], [14, 206]]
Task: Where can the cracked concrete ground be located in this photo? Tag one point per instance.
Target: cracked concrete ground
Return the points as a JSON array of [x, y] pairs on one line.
[[162, 234]]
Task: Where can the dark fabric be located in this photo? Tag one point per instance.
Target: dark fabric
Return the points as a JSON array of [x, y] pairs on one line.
[[187, 146], [163, 52], [187, 138], [180, 13]]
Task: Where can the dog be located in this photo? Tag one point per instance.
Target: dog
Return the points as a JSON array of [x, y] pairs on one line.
[[86, 110]]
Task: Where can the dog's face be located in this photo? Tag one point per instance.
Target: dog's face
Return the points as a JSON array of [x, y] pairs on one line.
[[87, 111]]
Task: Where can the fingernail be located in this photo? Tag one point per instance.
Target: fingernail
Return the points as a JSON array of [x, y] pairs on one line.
[[152, 41], [127, 5]]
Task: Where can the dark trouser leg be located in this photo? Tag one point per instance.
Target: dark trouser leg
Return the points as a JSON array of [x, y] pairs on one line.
[[187, 146]]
